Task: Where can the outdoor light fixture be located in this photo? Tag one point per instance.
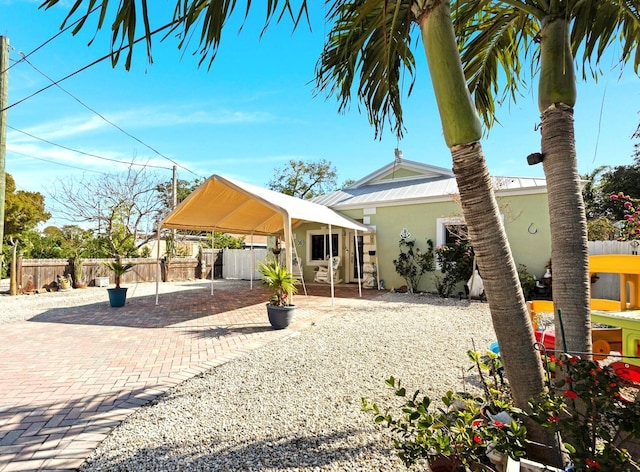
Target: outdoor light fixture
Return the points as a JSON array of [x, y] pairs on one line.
[[535, 158], [398, 154]]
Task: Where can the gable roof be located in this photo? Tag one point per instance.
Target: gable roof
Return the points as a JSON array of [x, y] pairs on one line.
[[409, 182], [231, 206], [400, 170]]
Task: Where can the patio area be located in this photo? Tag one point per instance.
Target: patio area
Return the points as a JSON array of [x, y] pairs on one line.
[[70, 375]]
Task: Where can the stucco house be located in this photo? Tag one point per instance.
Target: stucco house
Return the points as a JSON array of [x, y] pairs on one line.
[[418, 201]]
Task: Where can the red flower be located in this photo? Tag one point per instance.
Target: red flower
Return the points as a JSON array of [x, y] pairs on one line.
[[477, 423], [554, 419], [573, 360], [592, 464], [477, 439], [498, 424], [570, 394]]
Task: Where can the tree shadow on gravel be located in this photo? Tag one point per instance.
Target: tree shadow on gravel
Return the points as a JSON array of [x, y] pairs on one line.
[[279, 454]]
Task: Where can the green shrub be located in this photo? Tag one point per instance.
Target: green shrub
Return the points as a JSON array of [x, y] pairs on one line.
[[456, 265], [412, 264]]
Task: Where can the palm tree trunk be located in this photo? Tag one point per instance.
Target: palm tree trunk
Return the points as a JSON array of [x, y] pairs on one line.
[[462, 133], [569, 252], [497, 268]]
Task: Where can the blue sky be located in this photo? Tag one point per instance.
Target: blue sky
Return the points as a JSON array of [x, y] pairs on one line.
[[252, 111]]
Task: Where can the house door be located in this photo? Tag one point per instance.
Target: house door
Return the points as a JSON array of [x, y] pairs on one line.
[[352, 270]]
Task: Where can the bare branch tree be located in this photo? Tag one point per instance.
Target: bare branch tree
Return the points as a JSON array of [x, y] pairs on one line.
[[123, 208]]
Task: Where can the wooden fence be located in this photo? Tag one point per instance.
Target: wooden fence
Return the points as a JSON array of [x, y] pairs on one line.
[[36, 274], [608, 286]]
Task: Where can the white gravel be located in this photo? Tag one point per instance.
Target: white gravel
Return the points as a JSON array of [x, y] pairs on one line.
[[295, 404]]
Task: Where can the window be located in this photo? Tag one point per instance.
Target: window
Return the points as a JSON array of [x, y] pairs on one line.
[[455, 233], [318, 246], [450, 231]]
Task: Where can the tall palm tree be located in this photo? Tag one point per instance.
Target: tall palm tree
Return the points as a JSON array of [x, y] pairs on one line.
[[497, 34], [367, 47]]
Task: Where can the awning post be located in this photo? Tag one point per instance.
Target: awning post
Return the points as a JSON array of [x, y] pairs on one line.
[[331, 266], [253, 264], [158, 265], [358, 264]]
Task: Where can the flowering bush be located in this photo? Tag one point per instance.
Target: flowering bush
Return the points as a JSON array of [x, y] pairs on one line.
[[592, 415], [631, 223], [463, 427]]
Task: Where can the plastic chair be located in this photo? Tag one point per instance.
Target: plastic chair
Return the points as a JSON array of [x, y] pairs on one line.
[[323, 276]]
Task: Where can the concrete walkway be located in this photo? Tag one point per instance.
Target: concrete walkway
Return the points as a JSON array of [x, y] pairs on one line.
[[71, 375]]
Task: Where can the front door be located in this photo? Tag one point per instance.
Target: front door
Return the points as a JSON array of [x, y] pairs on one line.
[[352, 271]]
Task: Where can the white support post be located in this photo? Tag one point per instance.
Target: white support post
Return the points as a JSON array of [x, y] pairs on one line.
[[358, 264], [253, 264], [158, 266], [213, 260], [331, 266]]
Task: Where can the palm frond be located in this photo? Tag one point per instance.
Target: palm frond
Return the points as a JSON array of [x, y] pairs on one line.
[[368, 48], [494, 40], [598, 25], [209, 15]]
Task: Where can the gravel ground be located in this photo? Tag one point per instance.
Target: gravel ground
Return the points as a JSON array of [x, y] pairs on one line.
[[295, 404]]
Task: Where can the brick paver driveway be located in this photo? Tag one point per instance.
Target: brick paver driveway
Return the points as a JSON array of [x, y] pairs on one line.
[[70, 375]]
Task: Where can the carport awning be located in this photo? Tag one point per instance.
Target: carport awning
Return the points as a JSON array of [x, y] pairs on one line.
[[231, 206]]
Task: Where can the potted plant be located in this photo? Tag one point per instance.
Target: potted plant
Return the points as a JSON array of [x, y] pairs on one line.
[[282, 284], [118, 295]]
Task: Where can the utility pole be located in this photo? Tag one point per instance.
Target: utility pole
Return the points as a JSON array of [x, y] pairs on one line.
[[4, 99], [174, 196]]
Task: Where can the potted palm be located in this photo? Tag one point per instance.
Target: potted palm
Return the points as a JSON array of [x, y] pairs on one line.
[[282, 284], [118, 295]]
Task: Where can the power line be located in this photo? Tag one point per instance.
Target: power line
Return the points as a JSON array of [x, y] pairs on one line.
[[57, 83], [102, 116], [24, 57], [85, 153], [56, 163]]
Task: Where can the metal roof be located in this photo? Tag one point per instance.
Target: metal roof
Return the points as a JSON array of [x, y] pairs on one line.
[[419, 189]]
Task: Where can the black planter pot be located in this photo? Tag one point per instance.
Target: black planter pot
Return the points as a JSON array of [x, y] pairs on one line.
[[280, 316], [117, 297]]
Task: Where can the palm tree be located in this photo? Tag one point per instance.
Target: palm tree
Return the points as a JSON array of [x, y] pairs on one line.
[[372, 39], [496, 34]]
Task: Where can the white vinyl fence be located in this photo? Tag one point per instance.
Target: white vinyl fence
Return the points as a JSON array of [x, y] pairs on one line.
[[608, 286], [236, 263]]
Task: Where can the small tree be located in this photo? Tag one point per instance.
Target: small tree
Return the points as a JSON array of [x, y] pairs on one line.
[[412, 264], [124, 208], [304, 179]]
